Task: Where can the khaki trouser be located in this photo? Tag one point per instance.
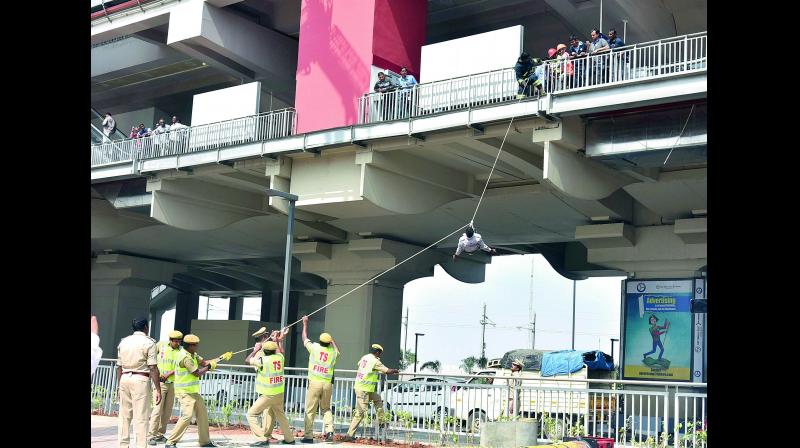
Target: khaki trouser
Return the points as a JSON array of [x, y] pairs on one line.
[[162, 412], [268, 422], [191, 405], [362, 407], [318, 394], [134, 406], [272, 403]]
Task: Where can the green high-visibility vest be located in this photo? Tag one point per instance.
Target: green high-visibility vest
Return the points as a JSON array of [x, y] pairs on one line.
[[320, 363], [269, 379], [185, 381], [168, 359], [367, 378]]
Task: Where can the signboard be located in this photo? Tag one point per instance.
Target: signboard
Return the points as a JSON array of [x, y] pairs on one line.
[[698, 346], [659, 332]]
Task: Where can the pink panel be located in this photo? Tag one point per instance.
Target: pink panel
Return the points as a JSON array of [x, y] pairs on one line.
[[339, 42], [400, 27]]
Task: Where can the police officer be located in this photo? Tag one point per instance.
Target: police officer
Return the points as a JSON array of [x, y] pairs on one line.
[[515, 386], [169, 353], [190, 368], [269, 364], [136, 362], [366, 386], [321, 358]]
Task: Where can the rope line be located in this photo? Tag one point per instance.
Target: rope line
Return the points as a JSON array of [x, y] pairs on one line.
[[471, 222]]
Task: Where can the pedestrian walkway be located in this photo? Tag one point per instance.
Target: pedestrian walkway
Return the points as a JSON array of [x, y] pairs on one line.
[[104, 435]]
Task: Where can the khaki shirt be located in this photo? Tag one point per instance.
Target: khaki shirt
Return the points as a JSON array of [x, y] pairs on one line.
[[136, 352], [188, 364], [379, 365]]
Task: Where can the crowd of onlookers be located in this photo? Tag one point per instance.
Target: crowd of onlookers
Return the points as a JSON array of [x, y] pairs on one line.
[[531, 72], [556, 67], [141, 131]]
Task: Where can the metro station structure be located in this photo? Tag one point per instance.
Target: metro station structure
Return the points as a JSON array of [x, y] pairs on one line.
[[602, 178]]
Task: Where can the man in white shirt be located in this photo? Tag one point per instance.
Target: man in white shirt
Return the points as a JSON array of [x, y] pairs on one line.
[[97, 352], [109, 125], [470, 242]]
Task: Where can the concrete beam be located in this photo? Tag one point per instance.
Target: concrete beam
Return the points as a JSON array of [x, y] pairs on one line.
[[108, 222], [569, 132], [605, 235], [525, 161], [692, 231], [269, 55], [192, 204], [578, 176]]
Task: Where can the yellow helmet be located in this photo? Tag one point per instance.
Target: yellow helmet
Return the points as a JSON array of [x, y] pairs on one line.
[[191, 339], [377, 346], [325, 337], [175, 334], [270, 345]]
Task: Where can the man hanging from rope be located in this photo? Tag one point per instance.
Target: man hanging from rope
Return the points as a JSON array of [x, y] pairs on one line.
[[470, 242]]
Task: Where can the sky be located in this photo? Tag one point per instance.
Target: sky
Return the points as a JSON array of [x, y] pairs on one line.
[[448, 312]]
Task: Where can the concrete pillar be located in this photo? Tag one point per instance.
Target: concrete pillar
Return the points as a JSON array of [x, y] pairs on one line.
[[186, 305], [121, 287], [373, 313], [358, 35], [266, 304], [235, 308], [116, 306]]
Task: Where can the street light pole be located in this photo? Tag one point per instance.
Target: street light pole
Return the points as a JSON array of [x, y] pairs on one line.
[[416, 358], [573, 314], [287, 267]]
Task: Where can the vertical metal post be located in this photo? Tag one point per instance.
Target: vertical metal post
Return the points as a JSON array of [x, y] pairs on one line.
[[601, 16], [573, 314], [625, 30], [287, 267]]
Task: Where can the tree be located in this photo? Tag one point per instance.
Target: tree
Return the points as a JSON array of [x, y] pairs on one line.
[[468, 363], [433, 365], [406, 359]]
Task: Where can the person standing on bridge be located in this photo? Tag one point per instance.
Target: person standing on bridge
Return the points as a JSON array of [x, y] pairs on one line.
[[136, 369], [366, 386], [269, 363], [470, 242], [191, 367], [169, 353], [321, 359]]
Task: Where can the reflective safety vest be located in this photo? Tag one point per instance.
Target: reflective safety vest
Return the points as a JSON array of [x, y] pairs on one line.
[[168, 359], [320, 363], [269, 379], [367, 378], [185, 381]]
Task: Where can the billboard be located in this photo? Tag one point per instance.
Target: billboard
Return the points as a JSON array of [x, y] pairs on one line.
[[658, 330]]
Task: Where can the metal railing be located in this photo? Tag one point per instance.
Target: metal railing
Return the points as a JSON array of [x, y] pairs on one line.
[[443, 409], [254, 128], [649, 60]]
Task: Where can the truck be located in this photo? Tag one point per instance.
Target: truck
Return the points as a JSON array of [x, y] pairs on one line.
[[486, 398]]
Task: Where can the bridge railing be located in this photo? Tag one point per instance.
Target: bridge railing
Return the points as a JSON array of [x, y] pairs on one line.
[[442, 406], [254, 128], [649, 60]]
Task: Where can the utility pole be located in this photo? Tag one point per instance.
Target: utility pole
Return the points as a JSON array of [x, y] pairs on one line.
[[533, 331], [484, 321], [405, 343], [531, 314]]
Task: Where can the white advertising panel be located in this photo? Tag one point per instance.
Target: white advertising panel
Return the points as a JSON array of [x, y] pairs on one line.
[[478, 53], [226, 104]]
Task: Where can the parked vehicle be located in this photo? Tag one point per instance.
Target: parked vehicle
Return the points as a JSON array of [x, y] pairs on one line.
[[225, 386], [424, 397], [487, 398]]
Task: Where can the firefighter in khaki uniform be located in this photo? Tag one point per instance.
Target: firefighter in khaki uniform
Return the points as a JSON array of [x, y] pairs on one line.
[[270, 387], [321, 359], [136, 369], [168, 355], [366, 384], [191, 367]]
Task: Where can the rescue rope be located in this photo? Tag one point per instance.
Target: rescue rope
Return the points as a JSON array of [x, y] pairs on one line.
[[471, 221]]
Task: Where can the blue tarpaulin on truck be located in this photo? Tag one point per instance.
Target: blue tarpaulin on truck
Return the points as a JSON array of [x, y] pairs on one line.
[[597, 360], [561, 362]]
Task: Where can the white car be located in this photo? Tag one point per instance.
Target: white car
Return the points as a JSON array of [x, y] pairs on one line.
[[487, 399], [225, 386], [423, 397]]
